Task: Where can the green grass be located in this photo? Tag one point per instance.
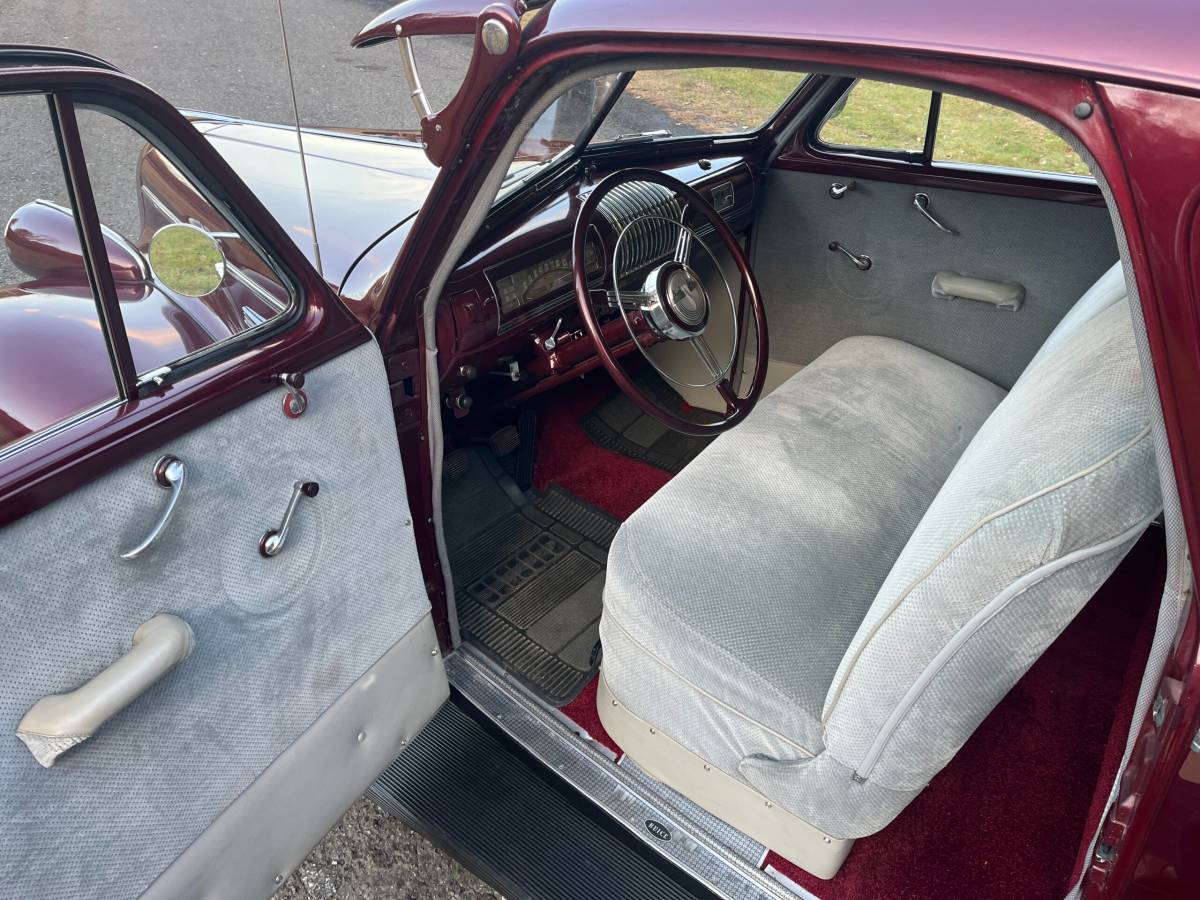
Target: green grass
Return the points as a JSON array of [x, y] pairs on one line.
[[878, 115], [716, 101], [186, 261]]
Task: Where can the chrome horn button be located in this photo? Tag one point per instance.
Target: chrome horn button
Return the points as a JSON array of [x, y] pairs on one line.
[[679, 304]]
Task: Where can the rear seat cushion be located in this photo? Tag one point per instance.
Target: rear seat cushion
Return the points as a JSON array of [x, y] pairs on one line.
[[733, 593]]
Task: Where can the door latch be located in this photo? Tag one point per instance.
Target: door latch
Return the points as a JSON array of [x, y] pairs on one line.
[[168, 473], [296, 401]]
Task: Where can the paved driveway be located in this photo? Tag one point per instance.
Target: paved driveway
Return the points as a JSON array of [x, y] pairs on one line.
[[227, 56]]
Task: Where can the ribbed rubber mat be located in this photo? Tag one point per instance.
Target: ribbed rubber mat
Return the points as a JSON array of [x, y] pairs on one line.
[[529, 592], [619, 424], [473, 791]]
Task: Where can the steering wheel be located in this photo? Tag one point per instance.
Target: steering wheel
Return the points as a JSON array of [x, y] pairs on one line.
[[671, 302]]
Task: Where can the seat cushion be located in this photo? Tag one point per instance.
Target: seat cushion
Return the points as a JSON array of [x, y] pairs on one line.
[[1051, 494], [734, 592]]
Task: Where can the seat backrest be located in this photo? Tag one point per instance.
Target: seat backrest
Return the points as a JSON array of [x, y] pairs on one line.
[[1048, 497]]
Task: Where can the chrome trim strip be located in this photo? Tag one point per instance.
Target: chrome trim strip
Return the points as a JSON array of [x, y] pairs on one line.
[[623, 792], [58, 427], [261, 292]]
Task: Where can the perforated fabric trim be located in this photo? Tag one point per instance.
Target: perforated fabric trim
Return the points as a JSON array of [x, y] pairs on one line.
[[277, 640]]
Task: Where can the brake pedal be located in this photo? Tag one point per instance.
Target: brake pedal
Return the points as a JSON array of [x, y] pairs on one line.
[[505, 441]]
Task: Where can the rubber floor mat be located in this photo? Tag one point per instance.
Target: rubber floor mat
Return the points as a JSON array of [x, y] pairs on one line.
[[529, 589], [618, 424]]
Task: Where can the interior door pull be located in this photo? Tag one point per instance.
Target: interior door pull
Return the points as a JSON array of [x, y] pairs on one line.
[[168, 473], [58, 722], [922, 203]]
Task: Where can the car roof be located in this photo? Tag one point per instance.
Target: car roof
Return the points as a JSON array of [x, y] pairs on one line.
[[1147, 41]]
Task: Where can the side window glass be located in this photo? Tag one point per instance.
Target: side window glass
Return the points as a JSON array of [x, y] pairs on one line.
[[878, 116], [978, 133], [188, 279], [890, 119], [54, 359]]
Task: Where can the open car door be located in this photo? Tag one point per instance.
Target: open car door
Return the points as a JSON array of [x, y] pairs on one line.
[[215, 627]]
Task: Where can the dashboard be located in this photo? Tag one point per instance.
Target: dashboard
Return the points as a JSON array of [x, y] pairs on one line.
[[546, 279], [509, 322]]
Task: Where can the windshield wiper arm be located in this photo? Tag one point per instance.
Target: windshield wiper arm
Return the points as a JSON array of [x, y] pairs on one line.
[[636, 136]]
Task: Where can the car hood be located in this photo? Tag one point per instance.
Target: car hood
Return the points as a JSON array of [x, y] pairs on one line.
[[363, 184]]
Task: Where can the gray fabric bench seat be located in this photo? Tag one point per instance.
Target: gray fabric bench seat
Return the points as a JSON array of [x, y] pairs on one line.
[[825, 604], [787, 528]]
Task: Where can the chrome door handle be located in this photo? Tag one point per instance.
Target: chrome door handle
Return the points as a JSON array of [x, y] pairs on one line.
[[838, 189], [272, 542], [861, 261], [922, 203], [168, 473], [58, 722]]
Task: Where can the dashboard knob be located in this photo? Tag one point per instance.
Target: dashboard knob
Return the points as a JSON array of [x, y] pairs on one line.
[[468, 372]]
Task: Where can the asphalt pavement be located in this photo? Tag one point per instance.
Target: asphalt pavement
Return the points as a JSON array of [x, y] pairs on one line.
[[227, 56]]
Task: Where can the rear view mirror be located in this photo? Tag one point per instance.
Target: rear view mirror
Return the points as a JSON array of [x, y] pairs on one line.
[[187, 260]]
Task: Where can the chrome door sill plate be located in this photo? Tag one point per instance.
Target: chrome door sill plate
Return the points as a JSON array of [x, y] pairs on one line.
[[719, 856]]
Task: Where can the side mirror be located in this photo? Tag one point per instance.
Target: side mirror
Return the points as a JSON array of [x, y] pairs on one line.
[[43, 241], [187, 260]]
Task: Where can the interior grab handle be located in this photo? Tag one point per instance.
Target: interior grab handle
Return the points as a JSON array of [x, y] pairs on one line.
[[922, 203], [168, 473], [58, 722]]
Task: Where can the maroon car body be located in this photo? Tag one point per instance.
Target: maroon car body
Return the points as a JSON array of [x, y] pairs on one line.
[[386, 214]]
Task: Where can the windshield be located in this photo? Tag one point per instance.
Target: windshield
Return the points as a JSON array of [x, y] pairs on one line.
[[660, 103], [560, 128], [655, 104]]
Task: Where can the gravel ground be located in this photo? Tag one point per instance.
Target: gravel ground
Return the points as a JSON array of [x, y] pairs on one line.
[[369, 855]]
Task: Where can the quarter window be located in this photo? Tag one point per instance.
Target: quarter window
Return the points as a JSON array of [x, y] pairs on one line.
[[896, 121], [978, 133]]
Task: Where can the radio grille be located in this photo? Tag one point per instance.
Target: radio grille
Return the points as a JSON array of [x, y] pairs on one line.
[[647, 241]]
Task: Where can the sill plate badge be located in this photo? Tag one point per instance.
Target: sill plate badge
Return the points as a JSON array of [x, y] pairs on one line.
[[658, 830]]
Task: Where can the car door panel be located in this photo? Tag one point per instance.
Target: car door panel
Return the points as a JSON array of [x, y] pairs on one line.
[[309, 670], [815, 296]]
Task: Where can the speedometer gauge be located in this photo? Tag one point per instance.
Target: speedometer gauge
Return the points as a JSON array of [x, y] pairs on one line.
[[545, 278]]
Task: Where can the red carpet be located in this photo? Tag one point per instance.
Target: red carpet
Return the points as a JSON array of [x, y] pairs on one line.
[[1006, 818], [566, 455]]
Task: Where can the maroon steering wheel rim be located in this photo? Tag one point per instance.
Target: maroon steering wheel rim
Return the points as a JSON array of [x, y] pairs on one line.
[[737, 408]]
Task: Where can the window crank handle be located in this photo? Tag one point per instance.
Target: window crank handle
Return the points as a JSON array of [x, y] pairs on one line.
[[272, 542], [861, 261]]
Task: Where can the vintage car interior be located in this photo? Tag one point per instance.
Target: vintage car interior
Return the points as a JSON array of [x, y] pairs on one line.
[[795, 623], [793, 483]]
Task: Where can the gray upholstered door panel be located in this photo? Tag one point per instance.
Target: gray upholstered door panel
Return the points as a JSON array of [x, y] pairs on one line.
[[279, 644], [816, 297]]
